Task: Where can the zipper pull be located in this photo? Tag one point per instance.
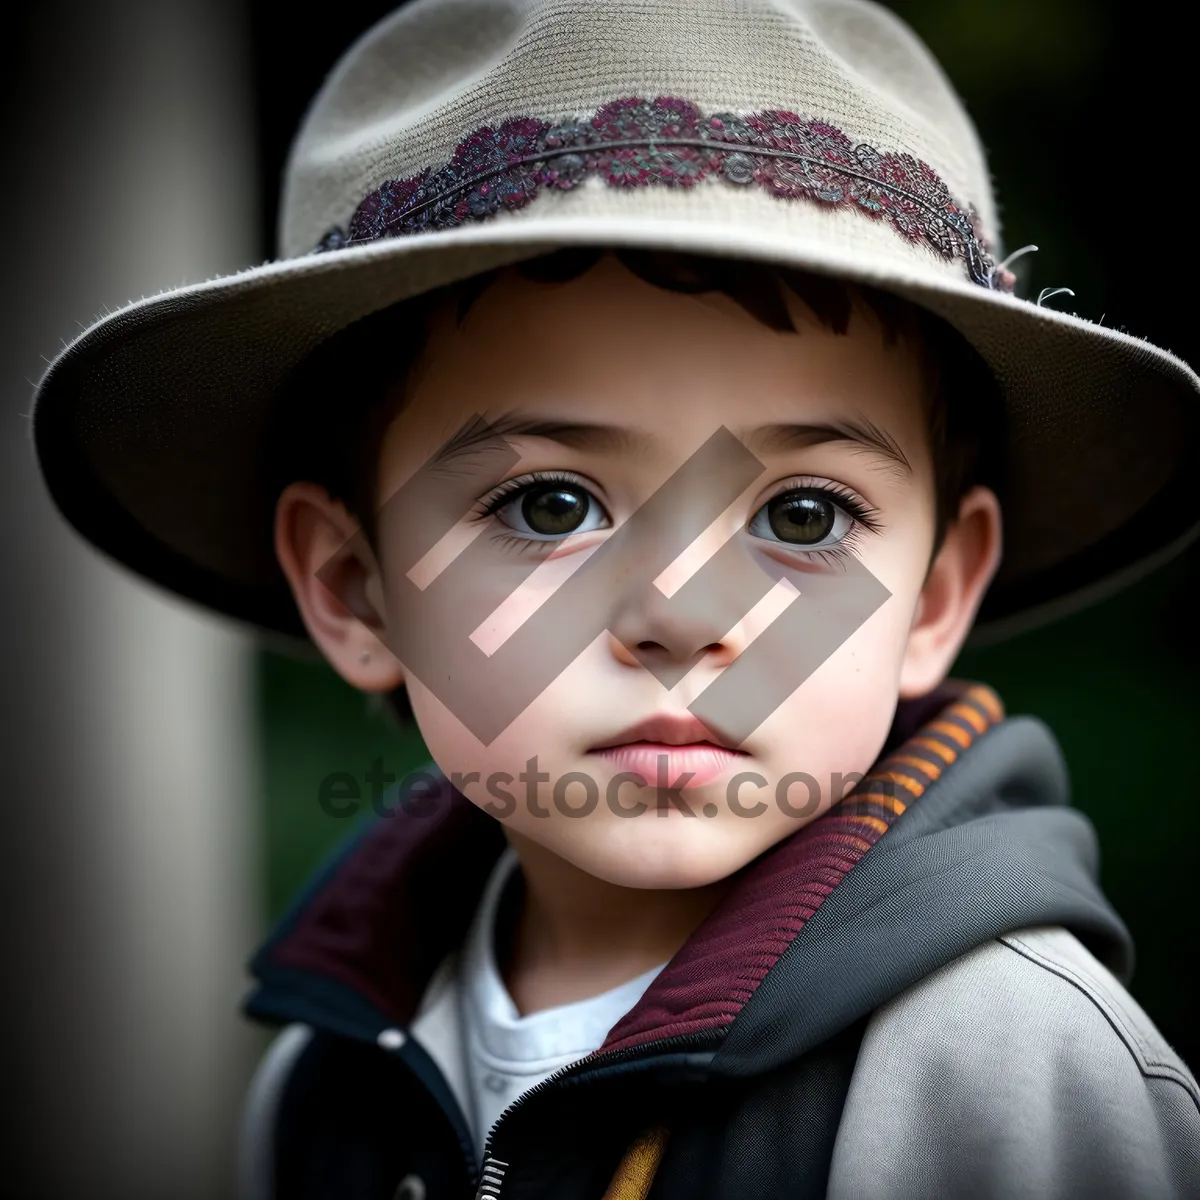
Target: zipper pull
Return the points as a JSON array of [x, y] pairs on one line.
[[491, 1179]]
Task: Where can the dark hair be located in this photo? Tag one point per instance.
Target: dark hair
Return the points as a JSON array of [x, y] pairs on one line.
[[340, 401]]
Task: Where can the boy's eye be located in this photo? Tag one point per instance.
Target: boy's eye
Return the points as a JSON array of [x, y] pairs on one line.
[[552, 510], [807, 519]]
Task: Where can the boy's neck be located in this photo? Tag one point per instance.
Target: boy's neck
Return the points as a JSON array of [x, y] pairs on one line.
[[576, 936]]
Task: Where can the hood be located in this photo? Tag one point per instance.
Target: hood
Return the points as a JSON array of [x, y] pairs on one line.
[[961, 832]]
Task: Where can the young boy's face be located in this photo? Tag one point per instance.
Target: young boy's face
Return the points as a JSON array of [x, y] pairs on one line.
[[626, 381]]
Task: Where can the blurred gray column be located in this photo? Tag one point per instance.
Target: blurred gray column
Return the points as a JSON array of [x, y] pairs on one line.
[[129, 819]]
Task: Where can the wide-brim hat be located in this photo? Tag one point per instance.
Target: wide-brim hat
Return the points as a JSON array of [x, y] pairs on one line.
[[458, 136]]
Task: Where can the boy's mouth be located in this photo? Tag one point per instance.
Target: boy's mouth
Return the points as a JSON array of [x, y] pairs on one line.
[[670, 750]]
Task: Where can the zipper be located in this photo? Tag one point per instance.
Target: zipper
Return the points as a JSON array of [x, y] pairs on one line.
[[491, 1179], [493, 1169]]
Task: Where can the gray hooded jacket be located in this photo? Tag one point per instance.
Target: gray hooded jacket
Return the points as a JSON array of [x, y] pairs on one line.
[[933, 1009]]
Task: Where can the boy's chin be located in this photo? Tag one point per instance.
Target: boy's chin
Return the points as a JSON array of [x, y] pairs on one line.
[[661, 851]]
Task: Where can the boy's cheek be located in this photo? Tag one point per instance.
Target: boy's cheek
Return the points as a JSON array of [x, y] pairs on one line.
[[560, 719], [541, 741], [836, 722], [520, 598], [450, 743]]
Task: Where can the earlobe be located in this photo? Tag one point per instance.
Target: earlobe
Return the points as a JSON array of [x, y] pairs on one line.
[[336, 583], [952, 593]]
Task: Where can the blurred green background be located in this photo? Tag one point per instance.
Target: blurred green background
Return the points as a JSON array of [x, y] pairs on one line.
[[1084, 110]]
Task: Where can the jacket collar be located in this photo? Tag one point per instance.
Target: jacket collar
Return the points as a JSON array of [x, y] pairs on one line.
[[357, 950]]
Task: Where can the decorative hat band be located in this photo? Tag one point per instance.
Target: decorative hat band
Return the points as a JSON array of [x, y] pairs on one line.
[[633, 142]]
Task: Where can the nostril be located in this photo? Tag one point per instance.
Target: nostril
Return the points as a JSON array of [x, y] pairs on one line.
[[659, 648]]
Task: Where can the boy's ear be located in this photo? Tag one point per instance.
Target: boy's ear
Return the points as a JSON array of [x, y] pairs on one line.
[[343, 609], [952, 593]]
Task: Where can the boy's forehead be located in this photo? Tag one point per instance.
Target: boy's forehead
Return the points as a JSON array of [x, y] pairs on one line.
[[608, 363], [619, 347]]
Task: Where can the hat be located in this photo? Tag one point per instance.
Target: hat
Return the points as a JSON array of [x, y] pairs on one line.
[[457, 136]]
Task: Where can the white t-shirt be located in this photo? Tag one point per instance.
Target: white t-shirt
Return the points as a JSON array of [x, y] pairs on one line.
[[470, 1026]]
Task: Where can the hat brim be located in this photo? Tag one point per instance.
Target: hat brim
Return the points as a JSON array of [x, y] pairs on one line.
[[151, 427]]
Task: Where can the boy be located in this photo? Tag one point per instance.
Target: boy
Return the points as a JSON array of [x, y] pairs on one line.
[[655, 420]]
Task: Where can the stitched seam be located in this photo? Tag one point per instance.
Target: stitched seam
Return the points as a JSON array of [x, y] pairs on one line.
[[1098, 994], [1150, 1067]]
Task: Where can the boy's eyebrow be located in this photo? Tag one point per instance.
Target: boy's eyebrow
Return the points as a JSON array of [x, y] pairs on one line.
[[616, 439], [580, 435], [862, 433]]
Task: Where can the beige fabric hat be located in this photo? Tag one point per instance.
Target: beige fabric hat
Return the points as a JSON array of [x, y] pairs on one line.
[[460, 135]]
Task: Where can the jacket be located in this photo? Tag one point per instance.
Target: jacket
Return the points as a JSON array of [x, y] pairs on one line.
[[920, 994]]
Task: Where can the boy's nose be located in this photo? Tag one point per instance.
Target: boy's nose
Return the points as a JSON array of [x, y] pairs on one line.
[[670, 649], [702, 620]]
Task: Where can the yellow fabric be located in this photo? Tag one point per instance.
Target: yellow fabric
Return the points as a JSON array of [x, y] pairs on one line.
[[635, 1173]]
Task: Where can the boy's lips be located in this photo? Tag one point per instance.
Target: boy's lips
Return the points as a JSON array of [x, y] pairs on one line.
[[667, 748], [668, 729]]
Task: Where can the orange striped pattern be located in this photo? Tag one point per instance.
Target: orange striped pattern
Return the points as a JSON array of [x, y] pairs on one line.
[[901, 777]]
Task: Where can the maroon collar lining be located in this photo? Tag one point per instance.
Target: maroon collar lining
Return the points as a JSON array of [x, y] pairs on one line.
[[405, 894], [400, 899]]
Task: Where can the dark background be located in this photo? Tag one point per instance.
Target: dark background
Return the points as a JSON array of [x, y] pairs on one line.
[[1087, 110]]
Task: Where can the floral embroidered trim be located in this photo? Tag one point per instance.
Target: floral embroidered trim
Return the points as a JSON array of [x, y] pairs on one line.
[[633, 142]]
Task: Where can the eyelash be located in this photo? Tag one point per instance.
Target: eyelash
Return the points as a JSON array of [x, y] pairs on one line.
[[511, 488], [864, 517]]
